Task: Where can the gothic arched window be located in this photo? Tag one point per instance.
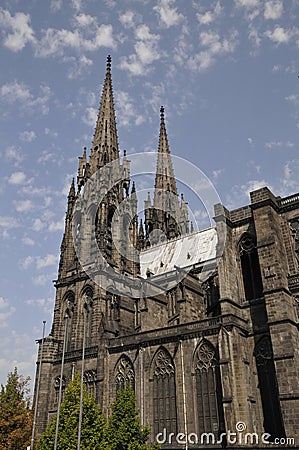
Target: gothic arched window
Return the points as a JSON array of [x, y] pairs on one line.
[[89, 379], [87, 305], [164, 393], [208, 390], [273, 423], [57, 386], [124, 373], [69, 306], [109, 237], [250, 265]]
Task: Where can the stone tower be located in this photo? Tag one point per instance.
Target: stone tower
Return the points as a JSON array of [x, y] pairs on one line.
[[204, 325], [167, 217]]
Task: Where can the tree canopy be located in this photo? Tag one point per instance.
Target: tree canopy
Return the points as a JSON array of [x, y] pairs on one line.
[[93, 422], [122, 431], [15, 413]]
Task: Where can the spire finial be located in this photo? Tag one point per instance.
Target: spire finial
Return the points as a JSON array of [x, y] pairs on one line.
[[108, 63], [133, 188], [72, 191], [162, 112]]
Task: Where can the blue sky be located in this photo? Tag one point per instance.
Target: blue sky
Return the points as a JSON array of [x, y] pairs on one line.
[[225, 70]]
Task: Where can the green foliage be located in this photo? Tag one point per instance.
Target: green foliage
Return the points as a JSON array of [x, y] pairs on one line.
[[124, 431], [93, 422], [15, 413]]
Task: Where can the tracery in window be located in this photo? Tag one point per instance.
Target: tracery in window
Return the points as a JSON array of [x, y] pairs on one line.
[[273, 423], [210, 416], [124, 373], [89, 379], [57, 386], [164, 393]]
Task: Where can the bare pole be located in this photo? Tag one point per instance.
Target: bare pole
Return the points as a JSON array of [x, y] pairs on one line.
[[66, 317], [82, 375], [37, 387]]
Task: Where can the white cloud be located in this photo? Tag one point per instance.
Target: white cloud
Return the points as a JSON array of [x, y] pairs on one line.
[[28, 241], [254, 35], [253, 185], [146, 52], [8, 222], [168, 14], [126, 108], [290, 180], [78, 66], [247, 3], [128, 19], [293, 98], [90, 116], [27, 136], [85, 20], [48, 260], [46, 304], [55, 5], [273, 9], [5, 312], [40, 262], [13, 154], [76, 4], [27, 262], [213, 46], [57, 226], [23, 205], [54, 42], [251, 8], [281, 35], [18, 92], [278, 144], [14, 91], [21, 34], [17, 178], [208, 17], [38, 225]]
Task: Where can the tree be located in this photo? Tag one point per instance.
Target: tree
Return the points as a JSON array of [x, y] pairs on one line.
[[93, 422], [15, 413], [124, 431]]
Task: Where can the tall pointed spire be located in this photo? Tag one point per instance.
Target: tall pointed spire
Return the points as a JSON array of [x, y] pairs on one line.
[[166, 214], [165, 179], [105, 141]]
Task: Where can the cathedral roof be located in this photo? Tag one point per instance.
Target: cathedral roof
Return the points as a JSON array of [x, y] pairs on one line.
[[185, 251]]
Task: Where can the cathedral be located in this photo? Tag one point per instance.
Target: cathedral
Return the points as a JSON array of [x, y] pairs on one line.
[[203, 324]]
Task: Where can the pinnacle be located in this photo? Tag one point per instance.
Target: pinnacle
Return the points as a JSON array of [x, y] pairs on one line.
[[105, 142]]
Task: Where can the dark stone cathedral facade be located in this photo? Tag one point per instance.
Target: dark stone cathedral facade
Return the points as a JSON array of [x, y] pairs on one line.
[[210, 349]]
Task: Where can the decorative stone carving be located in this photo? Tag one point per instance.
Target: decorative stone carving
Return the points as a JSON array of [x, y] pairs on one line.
[[294, 225], [124, 373], [263, 351], [163, 365], [205, 356]]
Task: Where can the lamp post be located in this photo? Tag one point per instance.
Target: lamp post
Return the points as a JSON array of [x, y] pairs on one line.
[[85, 312], [37, 387], [66, 318]]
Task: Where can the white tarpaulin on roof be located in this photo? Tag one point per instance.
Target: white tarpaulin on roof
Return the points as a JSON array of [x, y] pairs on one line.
[[188, 250]]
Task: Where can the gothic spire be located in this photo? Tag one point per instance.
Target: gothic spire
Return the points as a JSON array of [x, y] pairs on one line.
[[105, 141], [166, 202], [164, 174]]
